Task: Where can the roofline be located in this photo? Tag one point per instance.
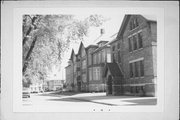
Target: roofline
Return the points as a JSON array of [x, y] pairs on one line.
[[100, 48], [102, 41]]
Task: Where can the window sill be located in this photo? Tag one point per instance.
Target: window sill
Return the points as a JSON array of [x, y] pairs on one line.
[[136, 77], [136, 50]]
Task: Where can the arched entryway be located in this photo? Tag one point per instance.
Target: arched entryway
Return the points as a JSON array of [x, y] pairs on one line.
[[109, 85]]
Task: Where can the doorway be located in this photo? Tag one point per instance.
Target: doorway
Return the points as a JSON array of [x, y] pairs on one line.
[[109, 84]]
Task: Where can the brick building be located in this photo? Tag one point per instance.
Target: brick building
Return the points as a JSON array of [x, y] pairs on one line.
[[100, 56], [69, 76], [134, 52], [124, 66]]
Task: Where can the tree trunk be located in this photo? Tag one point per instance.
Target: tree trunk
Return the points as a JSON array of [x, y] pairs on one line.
[[28, 55]]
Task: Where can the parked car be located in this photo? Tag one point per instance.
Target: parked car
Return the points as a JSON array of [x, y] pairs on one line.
[[26, 93]]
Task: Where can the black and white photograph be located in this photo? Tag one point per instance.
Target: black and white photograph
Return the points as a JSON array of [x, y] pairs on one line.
[[115, 70], [94, 59], [98, 59]]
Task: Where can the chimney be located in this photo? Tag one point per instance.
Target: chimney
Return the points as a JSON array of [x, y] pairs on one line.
[[102, 31]]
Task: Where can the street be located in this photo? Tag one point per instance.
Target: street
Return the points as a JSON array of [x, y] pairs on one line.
[[54, 99]]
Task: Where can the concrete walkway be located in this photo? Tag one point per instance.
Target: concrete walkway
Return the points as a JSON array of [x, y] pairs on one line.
[[101, 98]]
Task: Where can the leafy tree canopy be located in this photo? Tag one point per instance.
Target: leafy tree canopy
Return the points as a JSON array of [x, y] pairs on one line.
[[46, 37]]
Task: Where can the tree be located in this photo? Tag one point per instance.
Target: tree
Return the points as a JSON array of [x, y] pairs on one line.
[[46, 37]]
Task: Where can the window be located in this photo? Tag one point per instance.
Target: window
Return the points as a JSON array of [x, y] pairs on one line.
[[90, 74], [84, 77], [99, 57], [142, 68], [113, 57], [133, 24], [94, 59], [89, 59], [136, 69], [113, 48], [96, 73], [135, 42], [140, 40], [130, 45], [131, 70], [103, 56]]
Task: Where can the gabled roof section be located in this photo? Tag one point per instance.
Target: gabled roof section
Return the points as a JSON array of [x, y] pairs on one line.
[[102, 41], [72, 53], [91, 46], [114, 70], [81, 45], [123, 25], [149, 18]]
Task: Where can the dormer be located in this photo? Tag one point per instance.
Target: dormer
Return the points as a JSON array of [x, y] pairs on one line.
[[101, 43]]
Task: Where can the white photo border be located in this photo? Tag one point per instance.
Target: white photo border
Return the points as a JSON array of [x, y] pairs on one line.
[[17, 58]]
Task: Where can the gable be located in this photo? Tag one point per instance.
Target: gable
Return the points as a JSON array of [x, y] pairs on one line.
[[134, 23], [126, 26]]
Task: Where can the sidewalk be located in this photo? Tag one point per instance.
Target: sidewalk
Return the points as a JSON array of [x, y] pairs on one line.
[[101, 98]]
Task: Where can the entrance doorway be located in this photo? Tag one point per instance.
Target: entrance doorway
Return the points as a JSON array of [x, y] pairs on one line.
[[109, 84]]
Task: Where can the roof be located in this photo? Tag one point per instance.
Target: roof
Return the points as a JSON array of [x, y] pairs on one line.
[[81, 44], [102, 41], [126, 19], [72, 52], [114, 70], [91, 46]]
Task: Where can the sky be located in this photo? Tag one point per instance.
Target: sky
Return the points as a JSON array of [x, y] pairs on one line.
[[111, 27]]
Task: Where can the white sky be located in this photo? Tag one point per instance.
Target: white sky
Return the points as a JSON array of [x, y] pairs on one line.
[[111, 27]]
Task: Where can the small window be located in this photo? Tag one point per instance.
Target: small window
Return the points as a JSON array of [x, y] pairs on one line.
[[131, 70], [113, 48], [142, 68], [140, 40], [130, 45], [136, 69], [134, 43]]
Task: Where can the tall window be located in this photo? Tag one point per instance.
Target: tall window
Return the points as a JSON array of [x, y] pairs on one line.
[[136, 69], [114, 57], [103, 55], [89, 59], [84, 77], [133, 24], [135, 42], [142, 68], [94, 59], [90, 74], [130, 45], [140, 40], [113, 48], [96, 73], [131, 70], [99, 57]]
